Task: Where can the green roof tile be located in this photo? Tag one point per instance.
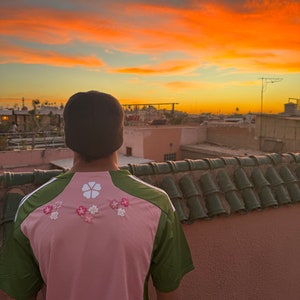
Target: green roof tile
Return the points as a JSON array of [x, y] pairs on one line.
[[201, 188]]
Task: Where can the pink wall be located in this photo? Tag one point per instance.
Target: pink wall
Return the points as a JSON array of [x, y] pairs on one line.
[[153, 142], [161, 142], [21, 160], [252, 256]]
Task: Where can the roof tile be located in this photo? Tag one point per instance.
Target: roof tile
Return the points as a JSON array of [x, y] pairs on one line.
[[206, 188]]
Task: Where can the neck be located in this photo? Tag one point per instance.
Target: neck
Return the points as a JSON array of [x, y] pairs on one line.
[[108, 163]]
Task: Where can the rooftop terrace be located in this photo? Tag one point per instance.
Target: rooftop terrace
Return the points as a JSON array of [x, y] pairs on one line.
[[250, 247]]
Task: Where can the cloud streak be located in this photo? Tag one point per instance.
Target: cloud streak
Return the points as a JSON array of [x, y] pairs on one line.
[[169, 67], [23, 55], [248, 36]]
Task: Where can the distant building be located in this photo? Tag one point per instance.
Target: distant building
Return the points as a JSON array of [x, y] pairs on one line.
[[291, 108]]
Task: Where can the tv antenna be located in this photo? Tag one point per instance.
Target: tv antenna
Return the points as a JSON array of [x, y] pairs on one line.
[[264, 84]]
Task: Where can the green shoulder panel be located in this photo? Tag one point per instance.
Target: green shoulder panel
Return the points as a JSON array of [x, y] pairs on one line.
[[16, 256], [41, 196], [136, 187]]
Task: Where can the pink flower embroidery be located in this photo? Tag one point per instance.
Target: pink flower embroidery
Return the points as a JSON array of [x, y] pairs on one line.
[[124, 202], [88, 218], [114, 204], [48, 209], [81, 210]]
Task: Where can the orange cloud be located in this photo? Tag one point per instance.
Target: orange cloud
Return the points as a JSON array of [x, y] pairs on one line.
[[261, 35], [179, 85], [13, 54], [160, 69], [213, 31], [50, 26]]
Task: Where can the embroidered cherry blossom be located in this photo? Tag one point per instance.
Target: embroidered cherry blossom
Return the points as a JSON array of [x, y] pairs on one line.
[[57, 204], [87, 214], [54, 215], [53, 210], [120, 206], [88, 218], [124, 202], [48, 209], [91, 189], [121, 212], [93, 209], [114, 204], [81, 210]]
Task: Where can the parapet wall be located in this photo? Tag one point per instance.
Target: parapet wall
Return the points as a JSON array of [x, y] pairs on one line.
[[27, 160], [237, 136]]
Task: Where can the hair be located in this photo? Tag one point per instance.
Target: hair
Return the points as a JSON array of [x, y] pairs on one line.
[[93, 124]]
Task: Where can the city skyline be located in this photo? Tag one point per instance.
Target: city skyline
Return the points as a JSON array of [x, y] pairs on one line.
[[207, 56]]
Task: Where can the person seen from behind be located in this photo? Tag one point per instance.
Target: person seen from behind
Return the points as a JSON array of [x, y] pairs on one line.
[[96, 231]]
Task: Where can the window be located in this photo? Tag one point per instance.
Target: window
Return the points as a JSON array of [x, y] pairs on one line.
[[128, 151], [169, 156]]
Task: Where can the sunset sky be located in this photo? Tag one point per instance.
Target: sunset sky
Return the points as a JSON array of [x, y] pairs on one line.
[[208, 56]]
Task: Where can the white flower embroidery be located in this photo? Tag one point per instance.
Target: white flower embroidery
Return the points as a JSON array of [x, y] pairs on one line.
[[54, 215], [91, 189], [93, 209], [121, 212]]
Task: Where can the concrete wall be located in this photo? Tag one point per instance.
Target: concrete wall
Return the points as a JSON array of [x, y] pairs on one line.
[[278, 134], [238, 136], [23, 160], [153, 142]]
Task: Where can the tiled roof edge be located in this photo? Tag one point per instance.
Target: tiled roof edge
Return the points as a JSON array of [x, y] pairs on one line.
[[41, 176], [205, 188]]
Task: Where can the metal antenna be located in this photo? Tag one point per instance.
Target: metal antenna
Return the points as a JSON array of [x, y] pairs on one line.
[[264, 83]]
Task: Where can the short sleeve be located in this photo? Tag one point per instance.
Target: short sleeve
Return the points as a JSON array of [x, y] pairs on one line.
[[171, 258], [19, 273]]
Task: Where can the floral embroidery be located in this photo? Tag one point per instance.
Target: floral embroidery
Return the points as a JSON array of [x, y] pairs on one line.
[[57, 204], [52, 210], [88, 218], [48, 209], [120, 206], [87, 214], [54, 215], [124, 202], [121, 212], [114, 204], [93, 209], [91, 190], [81, 210]]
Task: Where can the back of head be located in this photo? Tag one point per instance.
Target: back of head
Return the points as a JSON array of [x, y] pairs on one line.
[[93, 124]]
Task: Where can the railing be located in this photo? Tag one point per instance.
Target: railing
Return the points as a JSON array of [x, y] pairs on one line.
[[31, 140]]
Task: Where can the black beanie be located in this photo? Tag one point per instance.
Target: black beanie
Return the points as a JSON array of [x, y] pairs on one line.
[[93, 124]]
